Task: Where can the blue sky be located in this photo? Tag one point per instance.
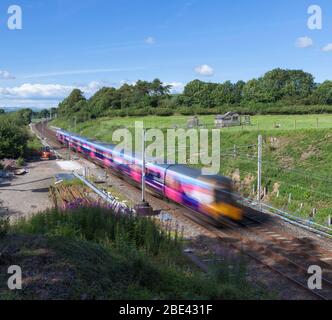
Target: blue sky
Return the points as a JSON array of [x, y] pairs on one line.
[[93, 43]]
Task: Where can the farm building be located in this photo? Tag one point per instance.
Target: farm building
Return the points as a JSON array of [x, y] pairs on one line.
[[230, 119], [193, 122]]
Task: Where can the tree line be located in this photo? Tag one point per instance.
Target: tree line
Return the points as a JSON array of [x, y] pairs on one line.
[[277, 91]]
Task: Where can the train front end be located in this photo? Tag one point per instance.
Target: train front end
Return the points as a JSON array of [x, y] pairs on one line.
[[225, 203]]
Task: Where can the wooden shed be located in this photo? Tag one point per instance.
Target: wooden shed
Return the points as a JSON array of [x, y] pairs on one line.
[[230, 119], [193, 122]]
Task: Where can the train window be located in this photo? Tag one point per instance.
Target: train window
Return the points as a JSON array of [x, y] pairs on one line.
[[107, 155], [223, 195], [99, 156], [152, 175]]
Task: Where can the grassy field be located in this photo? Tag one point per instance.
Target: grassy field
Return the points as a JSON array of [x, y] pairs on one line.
[[297, 164], [268, 122]]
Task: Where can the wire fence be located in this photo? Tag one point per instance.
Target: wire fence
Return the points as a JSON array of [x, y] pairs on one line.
[[312, 201]]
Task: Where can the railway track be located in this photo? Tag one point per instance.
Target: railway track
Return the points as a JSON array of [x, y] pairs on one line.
[[284, 254]]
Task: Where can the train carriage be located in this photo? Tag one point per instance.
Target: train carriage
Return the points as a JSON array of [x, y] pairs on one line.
[[212, 196]]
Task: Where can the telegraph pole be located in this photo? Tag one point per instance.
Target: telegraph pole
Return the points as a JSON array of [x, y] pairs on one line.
[[143, 166], [75, 123], [259, 171], [69, 147], [144, 207], [43, 126]]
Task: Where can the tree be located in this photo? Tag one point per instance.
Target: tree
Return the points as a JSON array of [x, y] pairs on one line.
[[159, 89], [2, 111], [24, 116], [283, 84], [238, 91], [291, 86], [199, 93], [67, 107], [323, 93], [44, 114], [103, 100], [257, 91], [223, 94], [13, 139], [53, 112]]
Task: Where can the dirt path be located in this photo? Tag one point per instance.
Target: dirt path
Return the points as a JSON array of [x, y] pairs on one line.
[[28, 194]]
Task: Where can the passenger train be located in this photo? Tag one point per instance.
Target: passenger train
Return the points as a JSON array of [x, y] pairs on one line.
[[211, 196]]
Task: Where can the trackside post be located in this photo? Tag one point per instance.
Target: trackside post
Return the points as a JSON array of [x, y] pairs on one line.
[[259, 171]]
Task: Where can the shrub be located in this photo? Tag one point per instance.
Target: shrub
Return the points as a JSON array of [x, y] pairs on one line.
[[186, 111], [4, 227], [102, 226], [121, 113], [206, 111], [13, 139], [20, 162], [164, 112], [139, 112]]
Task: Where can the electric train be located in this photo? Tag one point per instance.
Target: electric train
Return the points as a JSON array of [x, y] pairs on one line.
[[212, 196]]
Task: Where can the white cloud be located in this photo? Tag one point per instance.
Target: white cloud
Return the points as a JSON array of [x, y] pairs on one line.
[[327, 48], [129, 82], [5, 75], [36, 91], [93, 87], [150, 40], [304, 42], [36, 95], [204, 70], [47, 91], [177, 87]]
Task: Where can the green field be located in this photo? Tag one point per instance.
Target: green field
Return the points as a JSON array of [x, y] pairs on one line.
[[267, 122], [297, 164]]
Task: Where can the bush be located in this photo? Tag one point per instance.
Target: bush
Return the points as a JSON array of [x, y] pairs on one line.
[[121, 113], [164, 112], [4, 227], [138, 112], [207, 111], [13, 140], [186, 111], [102, 226], [20, 162]]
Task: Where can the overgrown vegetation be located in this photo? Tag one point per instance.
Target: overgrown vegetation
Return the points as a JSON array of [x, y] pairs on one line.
[[95, 254], [15, 139], [4, 227]]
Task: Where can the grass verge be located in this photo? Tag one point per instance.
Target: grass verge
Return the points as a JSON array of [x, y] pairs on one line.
[[93, 254]]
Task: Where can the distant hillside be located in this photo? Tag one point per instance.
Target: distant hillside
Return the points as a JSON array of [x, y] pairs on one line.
[[14, 109]]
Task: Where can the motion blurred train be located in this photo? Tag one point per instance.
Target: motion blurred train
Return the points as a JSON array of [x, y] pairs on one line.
[[211, 196]]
